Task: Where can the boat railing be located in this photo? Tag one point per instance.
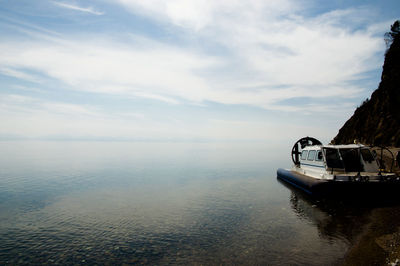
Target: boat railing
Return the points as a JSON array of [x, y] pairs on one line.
[[381, 161]]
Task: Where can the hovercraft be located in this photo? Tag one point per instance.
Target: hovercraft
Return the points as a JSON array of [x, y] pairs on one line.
[[331, 169]]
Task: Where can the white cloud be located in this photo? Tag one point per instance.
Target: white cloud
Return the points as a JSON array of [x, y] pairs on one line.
[[269, 44], [308, 60], [14, 103], [198, 14], [90, 10], [36, 118], [258, 53], [161, 72], [19, 74]]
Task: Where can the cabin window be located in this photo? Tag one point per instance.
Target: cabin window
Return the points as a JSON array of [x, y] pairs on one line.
[[333, 158], [319, 156], [351, 160], [304, 155], [311, 155]]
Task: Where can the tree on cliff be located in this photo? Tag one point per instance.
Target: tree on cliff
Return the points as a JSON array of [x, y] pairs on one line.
[[392, 34], [377, 121]]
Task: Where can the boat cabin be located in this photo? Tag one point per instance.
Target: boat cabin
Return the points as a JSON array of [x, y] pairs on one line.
[[338, 158]]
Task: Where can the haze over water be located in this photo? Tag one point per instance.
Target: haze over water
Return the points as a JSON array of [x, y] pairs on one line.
[[162, 203]]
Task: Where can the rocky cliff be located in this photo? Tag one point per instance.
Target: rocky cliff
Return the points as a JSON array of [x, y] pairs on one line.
[[377, 121]]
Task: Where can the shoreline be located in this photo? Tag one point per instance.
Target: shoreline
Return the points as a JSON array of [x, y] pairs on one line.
[[379, 242]]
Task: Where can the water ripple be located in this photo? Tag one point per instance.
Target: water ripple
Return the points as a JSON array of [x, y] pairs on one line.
[[94, 203]]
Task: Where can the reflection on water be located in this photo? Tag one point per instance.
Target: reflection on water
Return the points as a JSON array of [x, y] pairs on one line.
[[334, 218], [347, 218], [162, 203]]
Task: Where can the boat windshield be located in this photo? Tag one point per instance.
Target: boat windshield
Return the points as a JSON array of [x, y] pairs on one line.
[[351, 159], [347, 159], [332, 158]]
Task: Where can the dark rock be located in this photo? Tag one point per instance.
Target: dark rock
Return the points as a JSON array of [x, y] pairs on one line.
[[377, 121]]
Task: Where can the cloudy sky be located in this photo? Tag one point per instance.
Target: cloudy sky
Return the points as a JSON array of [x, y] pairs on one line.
[[187, 69]]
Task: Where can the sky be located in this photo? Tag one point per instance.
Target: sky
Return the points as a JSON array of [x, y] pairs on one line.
[[187, 70]]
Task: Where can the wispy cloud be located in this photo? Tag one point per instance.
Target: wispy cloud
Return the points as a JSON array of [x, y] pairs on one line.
[[19, 74], [268, 56], [253, 74], [57, 120], [200, 14], [90, 10], [270, 44]]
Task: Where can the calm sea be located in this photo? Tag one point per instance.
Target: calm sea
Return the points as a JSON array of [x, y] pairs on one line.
[[162, 203]]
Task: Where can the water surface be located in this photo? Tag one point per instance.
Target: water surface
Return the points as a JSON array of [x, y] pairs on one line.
[[162, 203]]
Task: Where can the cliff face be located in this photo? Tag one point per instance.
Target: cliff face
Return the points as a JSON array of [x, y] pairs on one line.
[[377, 121]]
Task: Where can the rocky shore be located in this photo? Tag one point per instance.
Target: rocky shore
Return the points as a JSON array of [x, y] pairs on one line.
[[379, 243], [377, 122]]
